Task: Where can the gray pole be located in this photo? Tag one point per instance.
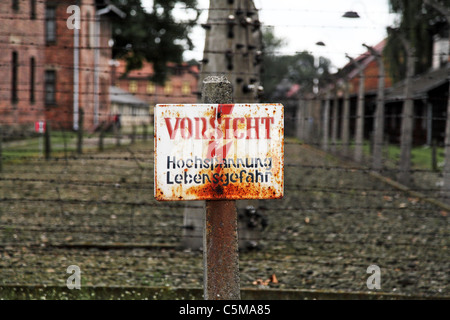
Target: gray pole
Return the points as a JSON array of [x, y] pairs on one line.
[[220, 238], [233, 48], [47, 144], [359, 135], [334, 121], [346, 120], [300, 119], [446, 170], [326, 121], [379, 113], [404, 176]]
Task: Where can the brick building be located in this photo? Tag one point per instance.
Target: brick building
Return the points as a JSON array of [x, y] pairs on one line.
[[371, 72], [22, 63], [180, 87], [77, 63], [50, 71]]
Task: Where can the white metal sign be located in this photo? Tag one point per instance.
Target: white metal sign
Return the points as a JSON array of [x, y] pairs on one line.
[[39, 126], [219, 151]]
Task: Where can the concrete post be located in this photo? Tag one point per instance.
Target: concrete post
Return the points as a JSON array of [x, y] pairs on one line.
[[233, 48], [406, 138], [379, 113], [445, 10], [345, 130], [359, 134], [334, 121], [47, 143], [326, 122]]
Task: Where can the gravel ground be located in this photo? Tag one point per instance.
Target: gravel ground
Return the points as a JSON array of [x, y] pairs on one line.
[[98, 212]]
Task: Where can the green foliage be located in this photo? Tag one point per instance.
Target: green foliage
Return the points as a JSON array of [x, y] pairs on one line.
[[155, 36], [418, 22], [299, 68]]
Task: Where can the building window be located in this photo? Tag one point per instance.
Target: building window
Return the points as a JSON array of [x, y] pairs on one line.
[[14, 75], [33, 9], [168, 88], [15, 5], [151, 87], [32, 77], [50, 87], [133, 86], [186, 88], [50, 24]]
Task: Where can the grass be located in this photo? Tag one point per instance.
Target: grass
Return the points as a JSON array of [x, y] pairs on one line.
[[61, 142], [421, 156]]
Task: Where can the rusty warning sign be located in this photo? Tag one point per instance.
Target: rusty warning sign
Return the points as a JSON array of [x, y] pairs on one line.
[[217, 151]]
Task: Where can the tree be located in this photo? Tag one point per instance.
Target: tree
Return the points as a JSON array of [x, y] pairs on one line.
[[300, 68], [418, 23], [154, 36]]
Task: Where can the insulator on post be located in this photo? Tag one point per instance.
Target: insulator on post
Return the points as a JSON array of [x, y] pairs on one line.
[[253, 80], [239, 80], [251, 47], [231, 21], [239, 46], [256, 25], [244, 21], [258, 57], [247, 88], [229, 57], [260, 90], [250, 13]]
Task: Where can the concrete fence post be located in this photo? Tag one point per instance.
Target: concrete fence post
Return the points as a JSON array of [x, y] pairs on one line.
[[377, 154], [345, 133], [326, 122], [406, 139], [47, 143]]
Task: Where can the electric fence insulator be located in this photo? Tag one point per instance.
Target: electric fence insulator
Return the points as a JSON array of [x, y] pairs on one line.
[[229, 58], [247, 88], [231, 21], [256, 25]]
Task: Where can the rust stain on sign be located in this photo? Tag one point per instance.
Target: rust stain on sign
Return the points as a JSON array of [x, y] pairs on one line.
[[219, 151]]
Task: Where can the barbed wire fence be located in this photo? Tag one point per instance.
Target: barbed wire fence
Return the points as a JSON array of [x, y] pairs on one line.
[[96, 208]]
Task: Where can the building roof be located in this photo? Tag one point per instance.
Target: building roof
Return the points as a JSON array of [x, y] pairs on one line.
[[421, 85], [147, 69], [364, 59], [120, 96], [105, 7]]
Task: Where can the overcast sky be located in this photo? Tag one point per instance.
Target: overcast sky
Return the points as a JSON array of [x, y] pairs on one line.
[[305, 22]]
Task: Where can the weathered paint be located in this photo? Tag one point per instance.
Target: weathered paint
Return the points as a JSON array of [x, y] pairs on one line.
[[219, 151]]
